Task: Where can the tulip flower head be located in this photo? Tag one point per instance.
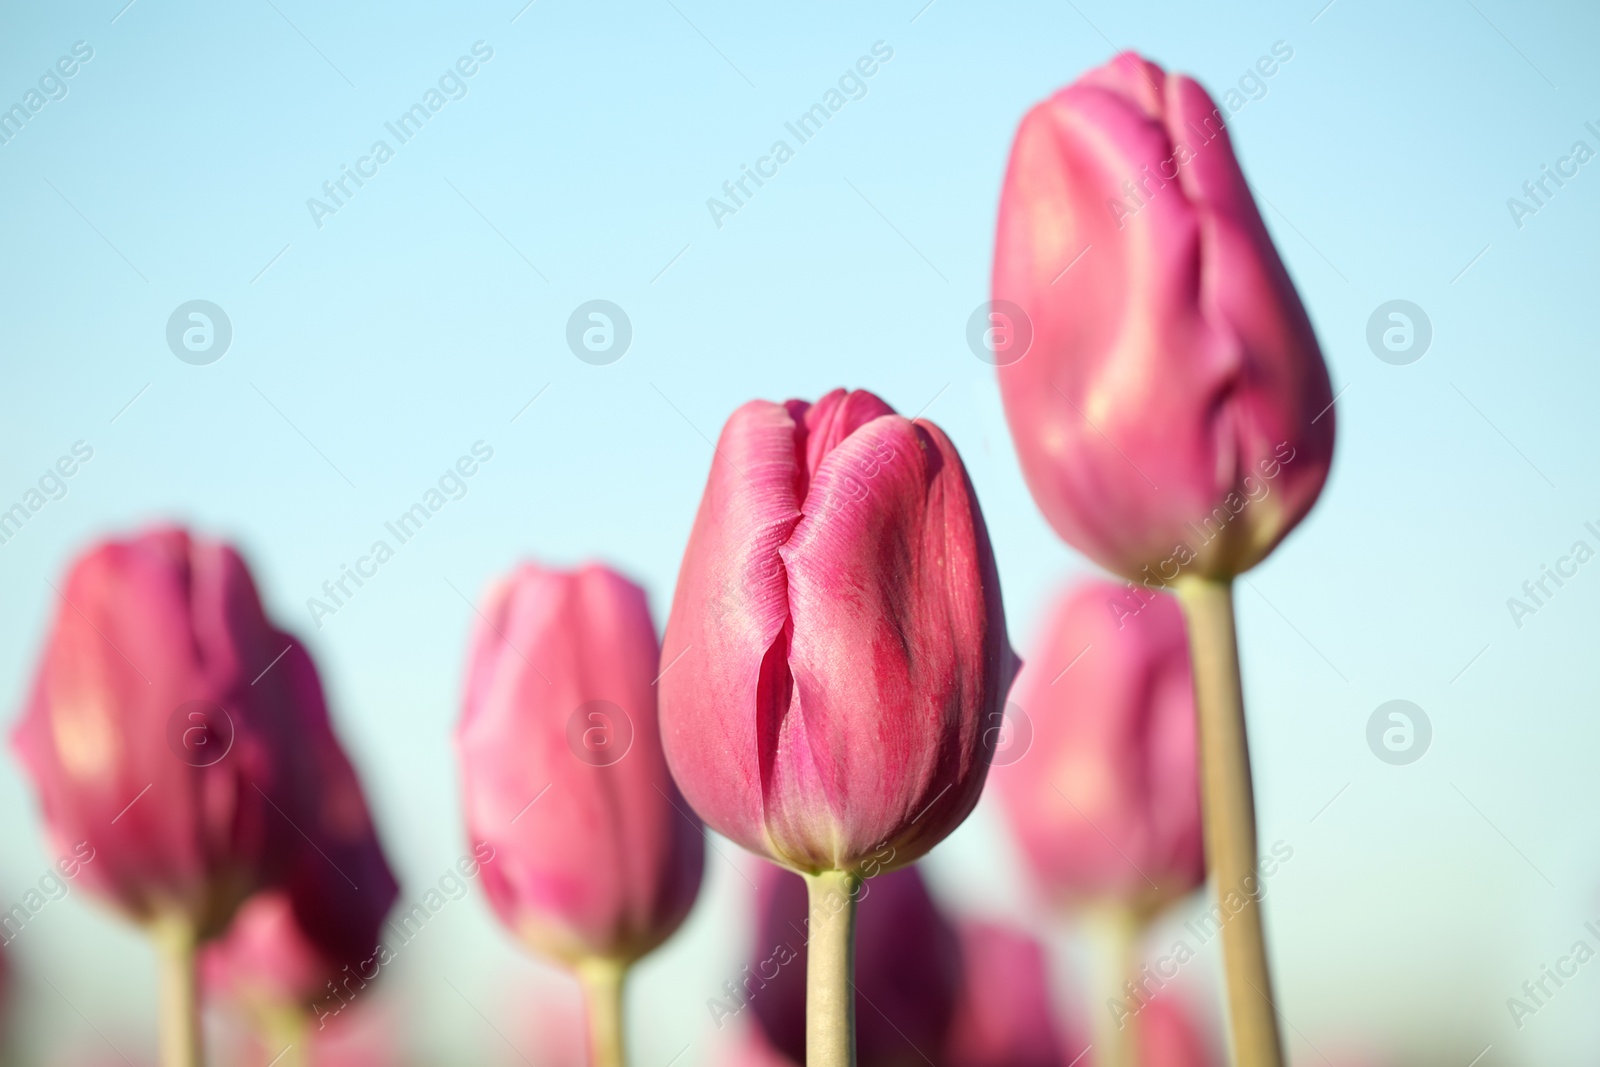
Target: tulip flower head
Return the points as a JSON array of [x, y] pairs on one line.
[[596, 855], [315, 939], [1106, 802], [264, 960], [837, 644], [1173, 412], [158, 730]]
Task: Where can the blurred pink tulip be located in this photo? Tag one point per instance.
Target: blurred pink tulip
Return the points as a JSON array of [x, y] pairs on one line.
[[1004, 1017], [836, 644], [907, 968], [1173, 412], [1168, 1036], [289, 946], [265, 959], [596, 855], [750, 1048], [162, 729], [1106, 802]]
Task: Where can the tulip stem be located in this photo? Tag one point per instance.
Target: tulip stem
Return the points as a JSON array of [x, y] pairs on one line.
[[602, 981], [830, 969], [1228, 805], [179, 1007], [285, 1033], [1117, 928]]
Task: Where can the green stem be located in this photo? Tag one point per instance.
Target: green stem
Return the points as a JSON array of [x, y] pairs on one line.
[[286, 1035], [1228, 805], [179, 1007], [830, 969], [1116, 928], [602, 981]]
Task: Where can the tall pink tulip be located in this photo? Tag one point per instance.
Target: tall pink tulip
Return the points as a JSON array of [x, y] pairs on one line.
[[160, 731], [835, 651], [1005, 1016], [598, 859], [1173, 414], [1167, 412], [1106, 801]]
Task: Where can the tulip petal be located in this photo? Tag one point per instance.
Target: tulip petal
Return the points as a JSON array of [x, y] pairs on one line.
[[891, 638], [730, 611]]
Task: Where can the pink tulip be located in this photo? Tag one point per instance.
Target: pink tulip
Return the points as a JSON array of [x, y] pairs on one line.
[[1004, 1017], [1173, 411], [752, 1049], [596, 855], [1168, 1036], [907, 968], [836, 644], [160, 730], [315, 939], [1106, 801], [265, 958]]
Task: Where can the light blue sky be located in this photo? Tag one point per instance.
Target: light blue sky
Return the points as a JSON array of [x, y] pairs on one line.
[[369, 353]]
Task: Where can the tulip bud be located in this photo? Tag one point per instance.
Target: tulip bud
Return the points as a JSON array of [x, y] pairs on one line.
[[836, 639], [907, 968], [160, 730], [265, 961], [1106, 802], [596, 856], [1173, 413], [1004, 1016], [316, 939]]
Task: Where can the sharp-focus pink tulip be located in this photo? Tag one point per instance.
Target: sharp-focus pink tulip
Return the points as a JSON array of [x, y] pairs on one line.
[[1106, 801], [837, 643], [160, 730], [907, 968], [596, 854], [1173, 411], [1004, 1017]]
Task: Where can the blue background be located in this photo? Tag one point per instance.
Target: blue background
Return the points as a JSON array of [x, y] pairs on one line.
[[370, 352]]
